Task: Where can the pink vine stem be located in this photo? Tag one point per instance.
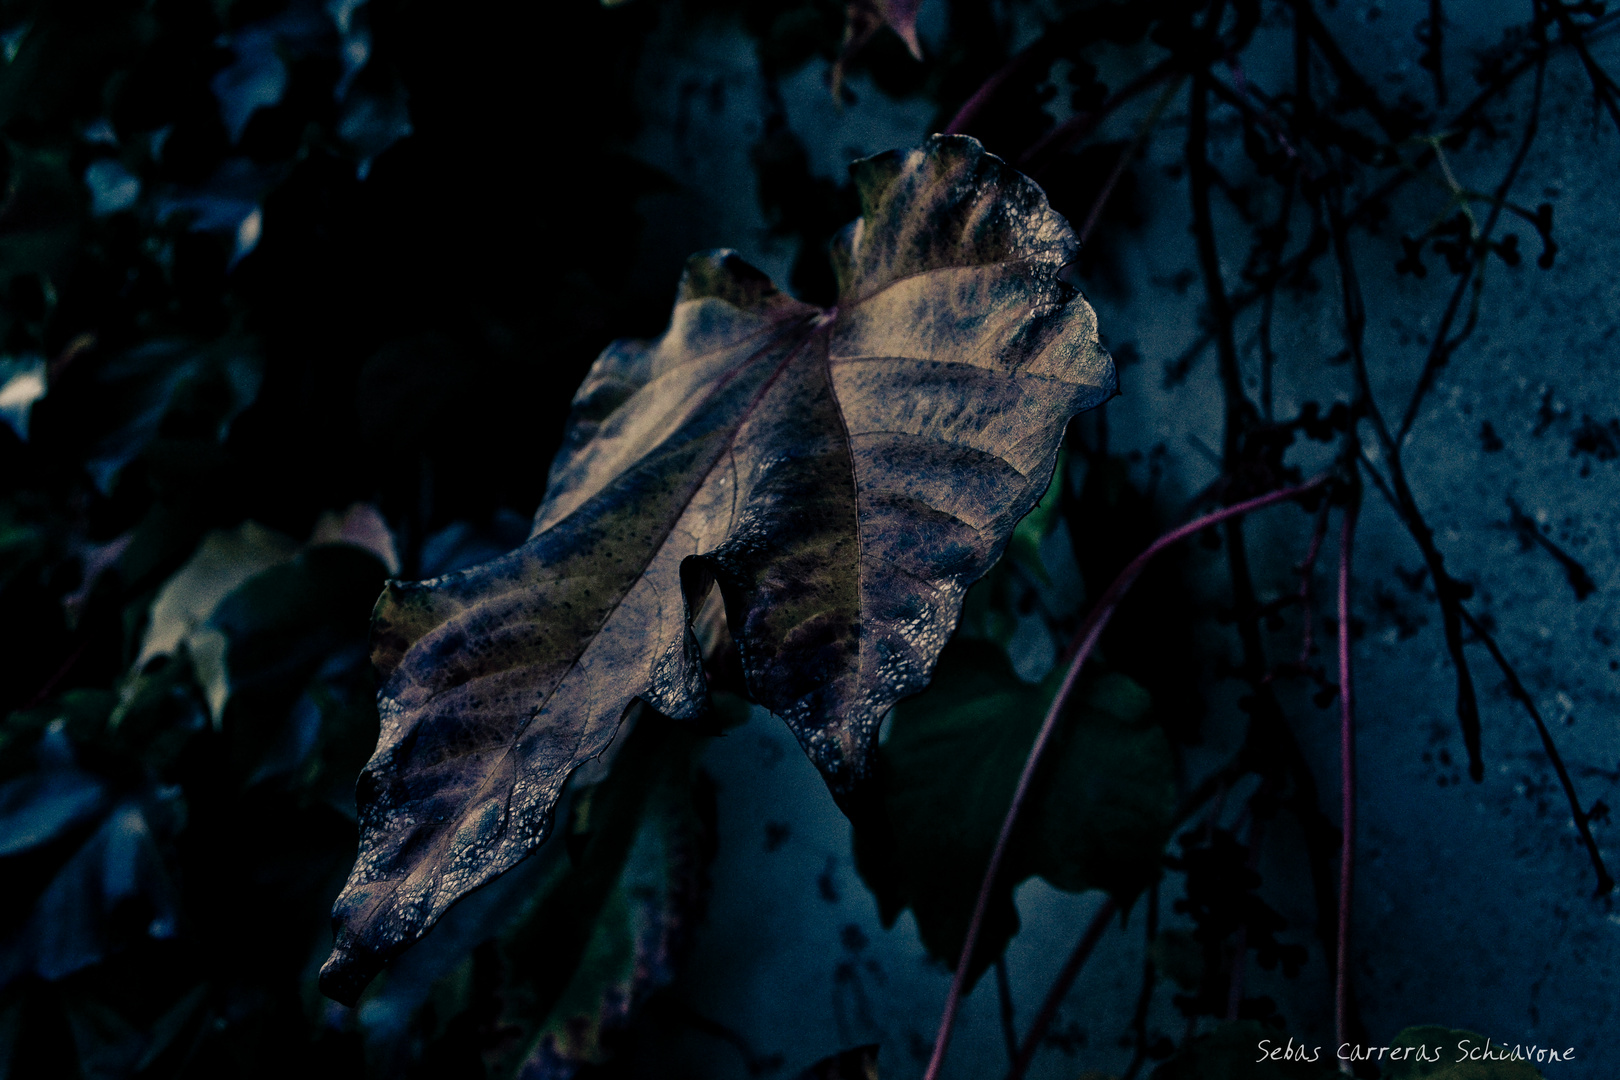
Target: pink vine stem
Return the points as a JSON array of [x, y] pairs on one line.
[[974, 105], [1347, 789], [1085, 640]]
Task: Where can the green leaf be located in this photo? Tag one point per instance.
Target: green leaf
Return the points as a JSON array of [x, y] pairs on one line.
[[1099, 818], [844, 475], [1106, 814], [248, 609], [1039, 523], [1433, 1052]]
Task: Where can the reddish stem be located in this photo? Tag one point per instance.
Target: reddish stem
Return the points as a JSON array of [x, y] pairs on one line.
[[971, 107], [61, 673], [1084, 641], [1347, 788]]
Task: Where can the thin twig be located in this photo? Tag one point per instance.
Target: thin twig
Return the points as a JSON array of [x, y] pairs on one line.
[[1150, 979], [1125, 159], [1085, 640], [1354, 86], [1317, 243], [974, 105], [1269, 747], [1519, 693], [1347, 788], [1448, 591], [1516, 688], [1574, 572], [1234, 990], [1603, 86], [1078, 127], [1220, 305], [1060, 988], [1434, 57], [1307, 571], [1444, 345]]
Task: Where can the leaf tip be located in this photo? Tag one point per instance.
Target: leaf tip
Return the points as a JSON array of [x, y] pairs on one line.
[[347, 973]]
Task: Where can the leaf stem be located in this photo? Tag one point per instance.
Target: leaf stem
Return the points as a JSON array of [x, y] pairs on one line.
[[969, 112], [1084, 641]]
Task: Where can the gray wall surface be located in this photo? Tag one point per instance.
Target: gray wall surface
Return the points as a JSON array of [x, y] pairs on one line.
[[1473, 906]]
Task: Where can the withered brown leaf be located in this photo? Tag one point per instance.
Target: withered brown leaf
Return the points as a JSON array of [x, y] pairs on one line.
[[843, 475]]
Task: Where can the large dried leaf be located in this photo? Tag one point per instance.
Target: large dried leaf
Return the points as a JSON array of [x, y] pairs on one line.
[[844, 475]]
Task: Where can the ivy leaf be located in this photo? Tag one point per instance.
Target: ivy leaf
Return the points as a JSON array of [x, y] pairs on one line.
[[223, 561], [120, 408], [292, 668], [1098, 820], [38, 807], [843, 475]]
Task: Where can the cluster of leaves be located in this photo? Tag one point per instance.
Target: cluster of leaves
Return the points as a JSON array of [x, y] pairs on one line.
[[258, 320]]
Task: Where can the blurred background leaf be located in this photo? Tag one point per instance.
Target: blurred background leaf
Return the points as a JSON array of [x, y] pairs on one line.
[[1098, 818]]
